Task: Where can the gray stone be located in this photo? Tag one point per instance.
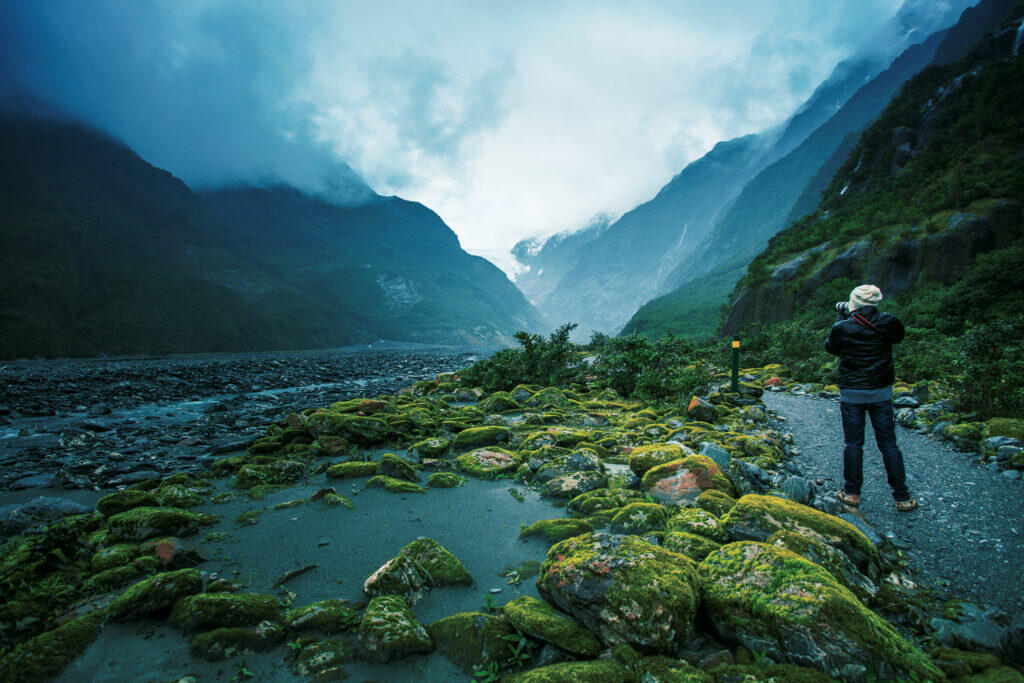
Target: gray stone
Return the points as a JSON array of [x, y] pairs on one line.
[[34, 481], [748, 477], [994, 443], [906, 401], [1007, 452], [798, 488], [977, 629], [1011, 474], [716, 453], [864, 527], [15, 519]]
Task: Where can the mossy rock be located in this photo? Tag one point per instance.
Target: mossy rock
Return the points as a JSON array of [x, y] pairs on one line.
[[481, 437], [596, 671], [668, 670], [769, 598], [45, 656], [1004, 426], [207, 611], [472, 640], [112, 578], [602, 499], [359, 429], [771, 673], [623, 588], [393, 466], [154, 597], [352, 470], [333, 500], [322, 660], [126, 500], [113, 556], [693, 546], [179, 496], [420, 564], [540, 620], [226, 642], [580, 460], [389, 630], [643, 458], [574, 483], [392, 485], [968, 431], [832, 560], [681, 481], [554, 530], [699, 521], [959, 663], [433, 447], [714, 501], [278, 472], [445, 480], [138, 524], [333, 445], [639, 518], [327, 616], [550, 397], [756, 517], [498, 402], [489, 462]]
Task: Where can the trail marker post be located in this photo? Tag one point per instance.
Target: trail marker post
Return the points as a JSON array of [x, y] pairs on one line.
[[735, 366]]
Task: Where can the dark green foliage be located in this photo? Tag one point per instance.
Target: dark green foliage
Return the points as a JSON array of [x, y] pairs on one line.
[[637, 366], [554, 361]]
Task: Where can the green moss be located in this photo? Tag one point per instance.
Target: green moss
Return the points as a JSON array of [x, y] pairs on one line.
[[155, 596], [249, 517], [327, 616], [322, 660], [113, 556], [115, 577], [972, 431], [138, 524], [832, 560], [639, 518], [488, 462], [125, 500], [643, 458], [701, 467], [392, 485], [389, 630], [331, 500], [668, 670], [226, 642], [423, 562], [48, 654], [601, 499], [498, 402], [277, 472], [597, 671], [207, 611], [261, 491], [361, 430], [1004, 426], [351, 470], [699, 521], [434, 447], [793, 607], [757, 517], [693, 546], [972, 662], [540, 620], [714, 501], [179, 496], [398, 468], [549, 397], [472, 639], [445, 480], [774, 673], [480, 437], [554, 530]]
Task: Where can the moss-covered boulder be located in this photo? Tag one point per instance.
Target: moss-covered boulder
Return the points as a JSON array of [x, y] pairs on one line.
[[601, 499], [1001, 426], [597, 670], [550, 397], [693, 546], [574, 483], [226, 642], [639, 518], [207, 611], [392, 485], [701, 410], [757, 517], [45, 656], [126, 500], [680, 482], [700, 522], [389, 630], [643, 458], [279, 472], [138, 524], [113, 556], [540, 620], [714, 501], [393, 466], [322, 660], [481, 437], [472, 640], [445, 480], [327, 616], [112, 578], [489, 462], [421, 564], [154, 597], [623, 589], [359, 429], [832, 560], [770, 599], [179, 496], [352, 470], [554, 530], [433, 447], [580, 460], [498, 402]]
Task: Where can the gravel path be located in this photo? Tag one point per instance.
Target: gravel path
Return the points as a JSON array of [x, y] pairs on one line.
[[969, 530]]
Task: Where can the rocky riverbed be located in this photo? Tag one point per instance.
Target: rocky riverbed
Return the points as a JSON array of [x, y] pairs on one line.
[[107, 423]]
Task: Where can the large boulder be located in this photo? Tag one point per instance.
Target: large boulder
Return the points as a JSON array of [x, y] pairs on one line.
[[771, 600], [679, 482], [138, 524], [471, 640], [550, 397], [755, 518], [421, 564], [479, 437], [601, 499], [582, 460], [155, 596], [574, 483], [828, 558], [624, 589], [643, 458], [498, 402], [489, 462], [389, 630]]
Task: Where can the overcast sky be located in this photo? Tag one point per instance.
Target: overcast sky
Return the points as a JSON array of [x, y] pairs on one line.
[[507, 118]]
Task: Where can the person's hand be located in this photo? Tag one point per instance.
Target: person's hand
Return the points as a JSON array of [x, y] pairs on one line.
[[843, 308]]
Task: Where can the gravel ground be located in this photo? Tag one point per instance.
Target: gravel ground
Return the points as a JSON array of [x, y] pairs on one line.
[[968, 533]]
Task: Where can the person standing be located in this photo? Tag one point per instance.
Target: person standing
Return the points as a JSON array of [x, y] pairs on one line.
[[863, 338]]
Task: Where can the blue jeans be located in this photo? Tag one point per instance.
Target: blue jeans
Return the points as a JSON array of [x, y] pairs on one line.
[[884, 423]]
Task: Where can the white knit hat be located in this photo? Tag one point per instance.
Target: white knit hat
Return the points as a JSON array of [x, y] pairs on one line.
[[865, 295]]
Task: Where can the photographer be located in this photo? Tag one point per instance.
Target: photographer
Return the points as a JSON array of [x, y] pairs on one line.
[[862, 337]]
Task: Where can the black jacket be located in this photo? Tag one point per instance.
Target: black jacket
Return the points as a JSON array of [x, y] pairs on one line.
[[865, 352]]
